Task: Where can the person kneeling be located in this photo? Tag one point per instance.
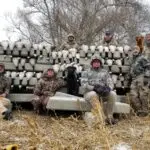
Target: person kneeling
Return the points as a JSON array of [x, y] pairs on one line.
[[46, 88], [97, 85]]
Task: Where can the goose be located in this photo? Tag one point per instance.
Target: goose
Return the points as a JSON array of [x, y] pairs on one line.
[[109, 62], [32, 61], [14, 74], [85, 48], [65, 53], [29, 75], [22, 61], [16, 61], [21, 75], [73, 51], [114, 78], [127, 49], [5, 45], [78, 57], [92, 48], [106, 49], [118, 62], [8, 74], [39, 75], [54, 56], [120, 49], [56, 68], [112, 48], [63, 67], [12, 45], [100, 48]]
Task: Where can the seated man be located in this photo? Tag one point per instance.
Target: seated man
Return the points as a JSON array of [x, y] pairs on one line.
[[5, 104], [46, 88], [97, 83]]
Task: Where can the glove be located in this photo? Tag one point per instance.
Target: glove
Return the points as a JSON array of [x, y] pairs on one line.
[[102, 90]]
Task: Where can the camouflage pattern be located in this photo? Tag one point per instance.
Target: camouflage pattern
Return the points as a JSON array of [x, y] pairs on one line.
[[100, 76], [112, 42], [46, 88], [140, 95], [138, 64], [69, 44], [147, 52], [139, 86], [5, 84]]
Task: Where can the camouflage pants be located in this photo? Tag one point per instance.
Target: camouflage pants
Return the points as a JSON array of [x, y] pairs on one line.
[[39, 103], [139, 95], [110, 99], [5, 105]]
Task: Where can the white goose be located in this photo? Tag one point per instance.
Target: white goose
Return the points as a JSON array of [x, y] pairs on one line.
[[56, 68], [16, 61], [112, 48], [109, 62], [29, 75], [92, 48], [39, 75], [14, 74], [100, 48], [127, 49], [114, 78], [5, 45], [8, 74], [120, 49]]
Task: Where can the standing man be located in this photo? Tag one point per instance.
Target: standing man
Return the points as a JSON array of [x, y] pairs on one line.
[[147, 48], [97, 85], [5, 104], [46, 88], [139, 87], [70, 43], [109, 39]]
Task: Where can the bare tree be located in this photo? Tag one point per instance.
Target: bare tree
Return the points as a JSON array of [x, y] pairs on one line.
[[52, 20]]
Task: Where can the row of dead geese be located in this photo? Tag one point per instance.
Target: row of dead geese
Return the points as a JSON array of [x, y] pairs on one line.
[[26, 44], [17, 61], [30, 75]]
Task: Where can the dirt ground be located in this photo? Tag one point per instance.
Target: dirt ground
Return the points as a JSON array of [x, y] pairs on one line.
[[69, 132]]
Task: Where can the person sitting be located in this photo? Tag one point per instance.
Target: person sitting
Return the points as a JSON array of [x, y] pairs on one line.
[[97, 84], [5, 104], [46, 88]]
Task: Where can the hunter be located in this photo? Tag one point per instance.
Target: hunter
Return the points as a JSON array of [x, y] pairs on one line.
[[109, 39], [98, 84], [5, 104], [46, 88], [70, 43], [139, 89]]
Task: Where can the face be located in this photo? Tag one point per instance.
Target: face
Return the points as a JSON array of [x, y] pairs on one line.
[[147, 40], [50, 73], [1, 69], [108, 37], [96, 64], [70, 38]]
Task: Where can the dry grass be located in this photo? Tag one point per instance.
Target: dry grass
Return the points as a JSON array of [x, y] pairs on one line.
[[71, 133]]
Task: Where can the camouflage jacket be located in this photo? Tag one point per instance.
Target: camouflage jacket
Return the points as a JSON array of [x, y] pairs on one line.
[[147, 52], [138, 65], [5, 84], [68, 45], [92, 77], [48, 86], [112, 42]]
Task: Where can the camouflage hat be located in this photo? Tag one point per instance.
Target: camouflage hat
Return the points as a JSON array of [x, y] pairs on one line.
[[70, 35]]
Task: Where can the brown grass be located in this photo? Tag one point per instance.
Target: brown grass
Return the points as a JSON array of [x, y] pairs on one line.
[[30, 132]]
